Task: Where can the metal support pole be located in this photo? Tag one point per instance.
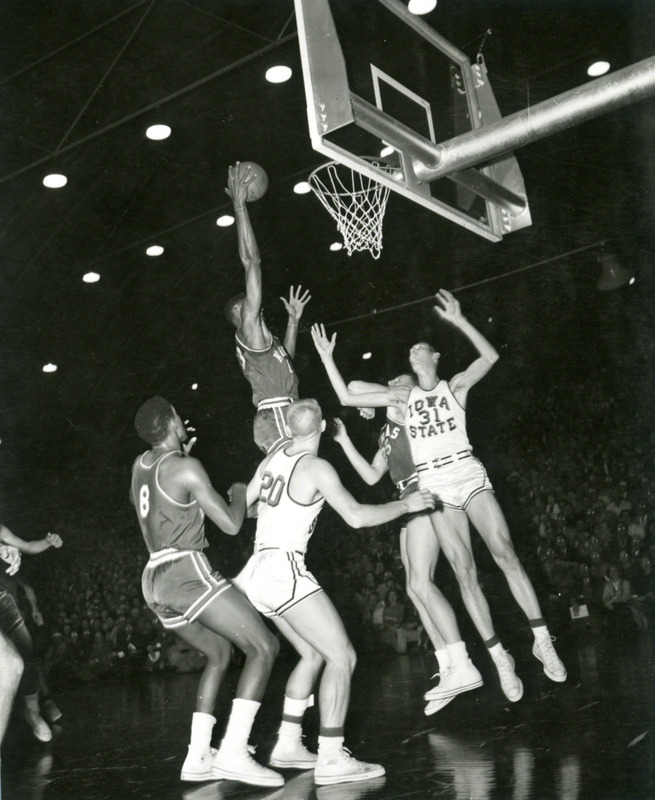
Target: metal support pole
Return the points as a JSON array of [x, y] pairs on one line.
[[583, 103]]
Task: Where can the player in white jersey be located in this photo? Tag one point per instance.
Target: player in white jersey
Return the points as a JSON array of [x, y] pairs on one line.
[[436, 423], [290, 487]]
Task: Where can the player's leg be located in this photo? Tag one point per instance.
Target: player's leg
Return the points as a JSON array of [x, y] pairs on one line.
[[29, 687], [11, 669], [452, 528], [457, 672], [316, 620], [485, 513], [230, 618], [289, 751]]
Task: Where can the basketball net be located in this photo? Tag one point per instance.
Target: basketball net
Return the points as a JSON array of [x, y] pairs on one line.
[[356, 202]]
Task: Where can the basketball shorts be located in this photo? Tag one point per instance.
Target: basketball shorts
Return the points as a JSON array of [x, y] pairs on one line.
[[275, 581], [178, 585], [458, 483], [10, 617], [270, 427]]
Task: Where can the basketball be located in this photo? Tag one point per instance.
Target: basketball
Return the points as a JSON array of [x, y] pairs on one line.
[[259, 184]]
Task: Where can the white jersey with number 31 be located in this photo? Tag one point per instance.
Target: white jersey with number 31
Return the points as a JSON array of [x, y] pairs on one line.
[[282, 522]]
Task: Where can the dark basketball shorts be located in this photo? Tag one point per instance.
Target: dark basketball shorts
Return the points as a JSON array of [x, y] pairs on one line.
[[276, 580], [270, 427], [10, 617], [178, 585]]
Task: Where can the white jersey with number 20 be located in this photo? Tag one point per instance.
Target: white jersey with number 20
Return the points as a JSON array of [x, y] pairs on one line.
[[282, 522]]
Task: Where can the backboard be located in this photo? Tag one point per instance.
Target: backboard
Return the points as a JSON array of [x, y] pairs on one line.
[[379, 80]]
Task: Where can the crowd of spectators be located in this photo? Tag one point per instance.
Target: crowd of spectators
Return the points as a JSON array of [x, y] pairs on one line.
[[577, 482]]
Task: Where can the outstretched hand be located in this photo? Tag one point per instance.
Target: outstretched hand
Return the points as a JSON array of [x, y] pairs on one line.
[[423, 500], [324, 345], [339, 434], [366, 413], [54, 540], [12, 556], [238, 180], [296, 303], [447, 307], [188, 445]]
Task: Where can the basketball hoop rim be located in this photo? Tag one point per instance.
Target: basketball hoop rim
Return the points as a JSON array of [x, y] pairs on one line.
[[334, 163]]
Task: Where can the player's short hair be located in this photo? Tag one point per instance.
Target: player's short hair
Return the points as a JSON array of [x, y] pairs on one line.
[[304, 417], [232, 304], [152, 419]]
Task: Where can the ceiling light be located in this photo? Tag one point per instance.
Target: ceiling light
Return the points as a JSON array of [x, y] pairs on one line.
[[278, 74], [421, 6], [91, 277], [194, 386], [49, 368], [336, 246], [158, 132], [55, 181], [366, 356], [302, 188], [386, 151], [225, 221], [598, 68], [155, 250]]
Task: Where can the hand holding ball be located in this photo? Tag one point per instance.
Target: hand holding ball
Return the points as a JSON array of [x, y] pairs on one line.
[[255, 179]]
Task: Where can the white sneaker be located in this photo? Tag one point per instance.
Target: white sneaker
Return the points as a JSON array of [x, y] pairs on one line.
[[39, 726], [458, 678], [543, 650], [198, 766], [292, 755], [511, 685], [341, 767], [236, 764], [436, 705]]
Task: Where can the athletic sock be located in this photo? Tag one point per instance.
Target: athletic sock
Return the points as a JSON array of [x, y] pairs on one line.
[[539, 629], [443, 659], [292, 714], [458, 652], [201, 732], [496, 650], [240, 722], [329, 745], [32, 702]]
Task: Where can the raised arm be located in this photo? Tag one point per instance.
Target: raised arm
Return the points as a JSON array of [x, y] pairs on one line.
[[295, 305], [387, 396], [369, 473], [252, 328], [363, 516], [227, 516], [34, 547], [448, 308]]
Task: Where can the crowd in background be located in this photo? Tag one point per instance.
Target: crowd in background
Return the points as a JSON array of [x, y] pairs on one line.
[[578, 488]]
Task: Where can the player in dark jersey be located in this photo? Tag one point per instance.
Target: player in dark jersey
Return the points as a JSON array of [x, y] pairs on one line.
[[13, 626], [266, 363], [172, 493]]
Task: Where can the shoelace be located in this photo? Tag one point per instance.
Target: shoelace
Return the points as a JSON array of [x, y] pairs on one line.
[[505, 668], [548, 651]]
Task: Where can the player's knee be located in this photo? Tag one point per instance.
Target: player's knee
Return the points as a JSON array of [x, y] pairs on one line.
[[344, 659], [219, 655], [418, 583], [507, 559], [467, 574]]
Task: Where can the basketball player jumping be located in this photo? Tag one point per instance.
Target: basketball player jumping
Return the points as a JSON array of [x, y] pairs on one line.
[[172, 493], [265, 362], [436, 426], [290, 487], [419, 552]]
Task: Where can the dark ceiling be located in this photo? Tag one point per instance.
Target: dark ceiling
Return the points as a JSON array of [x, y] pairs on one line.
[[81, 81]]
